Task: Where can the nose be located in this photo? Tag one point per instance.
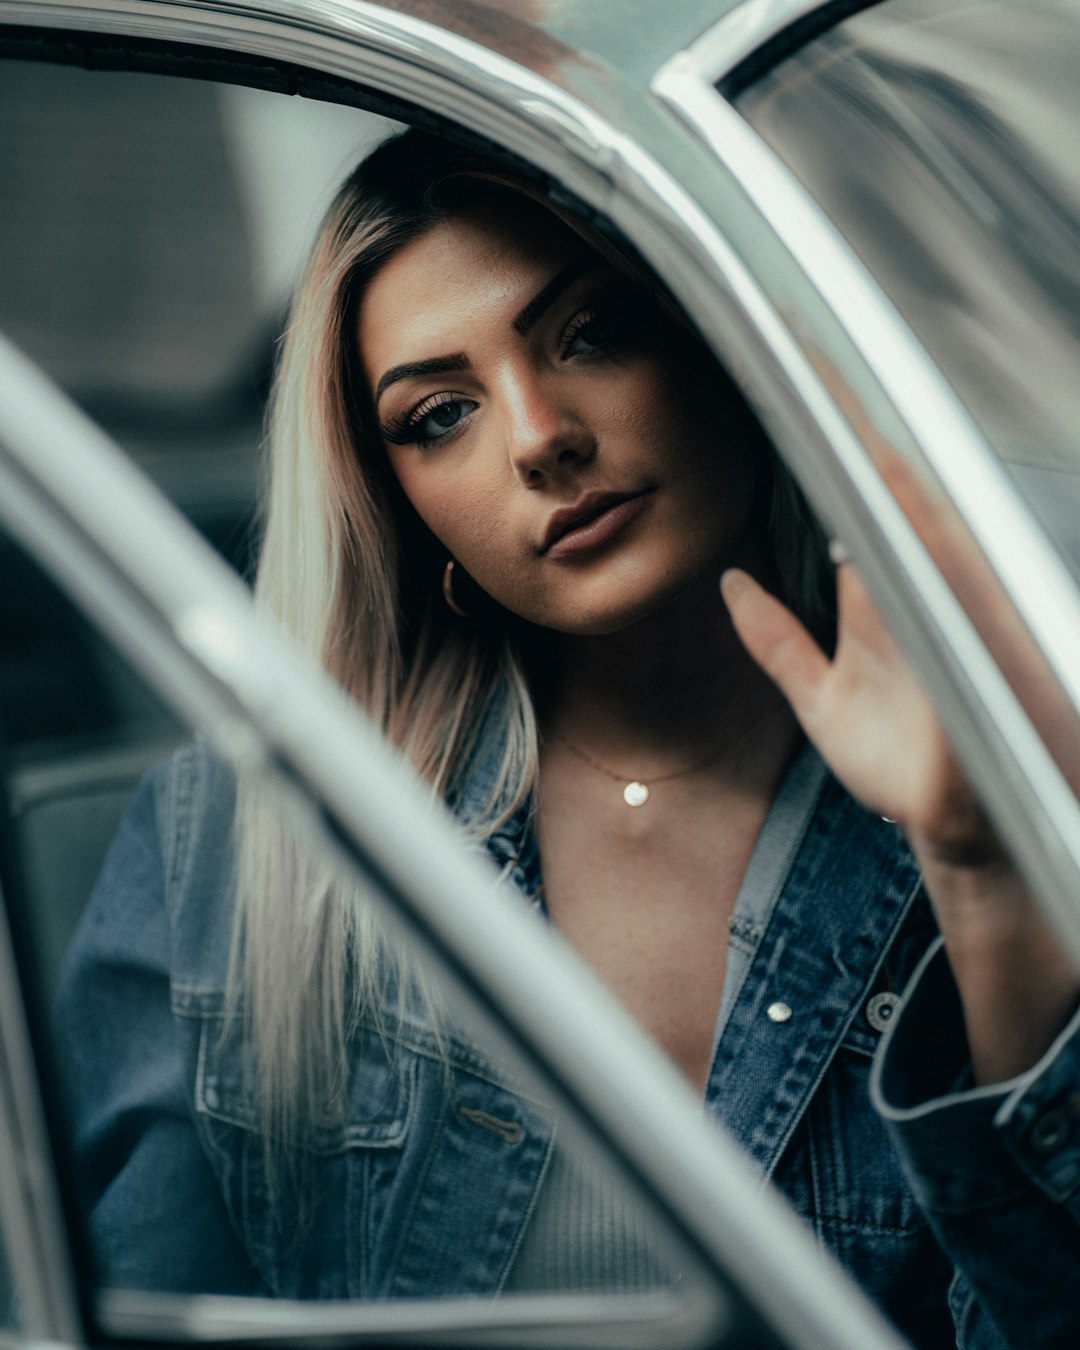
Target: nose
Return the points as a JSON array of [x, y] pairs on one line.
[[546, 434]]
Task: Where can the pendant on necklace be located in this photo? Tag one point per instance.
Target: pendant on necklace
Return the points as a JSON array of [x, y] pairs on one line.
[[635, 794]]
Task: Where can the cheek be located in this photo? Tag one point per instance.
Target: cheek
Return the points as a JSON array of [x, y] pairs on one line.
[[475, 525], [461, 510]]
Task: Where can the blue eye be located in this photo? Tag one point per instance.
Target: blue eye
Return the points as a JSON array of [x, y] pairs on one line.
[[432, 421], [442, 418]]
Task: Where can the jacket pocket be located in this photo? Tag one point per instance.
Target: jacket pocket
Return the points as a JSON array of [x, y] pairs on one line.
[[307, 1218]]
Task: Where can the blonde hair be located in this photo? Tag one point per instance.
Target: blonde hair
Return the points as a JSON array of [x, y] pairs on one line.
[[352, 574]]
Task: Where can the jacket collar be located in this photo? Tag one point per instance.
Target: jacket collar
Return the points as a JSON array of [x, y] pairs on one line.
[[849, 888], [513, 845]]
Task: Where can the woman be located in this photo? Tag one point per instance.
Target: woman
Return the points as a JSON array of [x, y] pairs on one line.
[[506, 481]]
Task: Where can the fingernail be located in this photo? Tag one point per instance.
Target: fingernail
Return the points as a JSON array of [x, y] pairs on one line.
[[733, 583]]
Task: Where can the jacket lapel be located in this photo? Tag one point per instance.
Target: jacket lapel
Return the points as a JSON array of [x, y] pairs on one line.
[[848, 890]]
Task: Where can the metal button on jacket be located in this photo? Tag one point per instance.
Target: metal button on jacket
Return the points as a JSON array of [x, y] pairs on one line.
[[1049, 1131], [881, 1009]]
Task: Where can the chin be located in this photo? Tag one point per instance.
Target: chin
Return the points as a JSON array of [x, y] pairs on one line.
[[619, 613]]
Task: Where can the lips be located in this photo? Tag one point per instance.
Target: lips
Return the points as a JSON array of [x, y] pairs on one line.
[[589, 521]]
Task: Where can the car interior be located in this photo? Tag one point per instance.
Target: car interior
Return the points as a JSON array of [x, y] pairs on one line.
[[151, 230], [151, 234]]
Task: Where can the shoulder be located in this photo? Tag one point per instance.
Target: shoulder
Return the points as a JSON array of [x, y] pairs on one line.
[[194, 801], [163, 898]]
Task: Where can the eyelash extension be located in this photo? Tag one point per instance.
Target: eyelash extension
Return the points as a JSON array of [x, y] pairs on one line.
[[398, 431], [578, 325], [405, 430], [615, 313]]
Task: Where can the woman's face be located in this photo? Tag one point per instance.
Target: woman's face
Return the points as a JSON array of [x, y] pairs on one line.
[[570, 445]]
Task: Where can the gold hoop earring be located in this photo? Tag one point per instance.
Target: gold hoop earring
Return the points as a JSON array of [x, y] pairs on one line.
[[448, 592]]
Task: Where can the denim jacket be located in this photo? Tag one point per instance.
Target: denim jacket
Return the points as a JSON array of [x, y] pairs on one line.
[[957, 1209]]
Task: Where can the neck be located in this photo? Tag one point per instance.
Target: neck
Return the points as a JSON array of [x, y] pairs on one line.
[[665, 692]]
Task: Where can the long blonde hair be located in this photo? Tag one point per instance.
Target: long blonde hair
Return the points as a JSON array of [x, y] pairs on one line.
[[352, 574]]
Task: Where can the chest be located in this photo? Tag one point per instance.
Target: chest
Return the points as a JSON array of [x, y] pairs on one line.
[[646, 895]]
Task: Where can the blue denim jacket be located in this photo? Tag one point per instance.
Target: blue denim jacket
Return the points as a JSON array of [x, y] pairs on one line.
[[956, 1209]]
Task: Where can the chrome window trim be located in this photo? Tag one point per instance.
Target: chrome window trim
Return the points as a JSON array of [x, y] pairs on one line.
[[144, 575], [594, 1321], [537, 119], [413, 60], [742, 32], [1031, 572]]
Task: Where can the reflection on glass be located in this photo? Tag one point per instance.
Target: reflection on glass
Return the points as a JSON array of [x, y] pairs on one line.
[[940, 139], [421, 1164], [406, 1166]]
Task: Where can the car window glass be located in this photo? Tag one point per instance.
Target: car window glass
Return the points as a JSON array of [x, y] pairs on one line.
[[438, 1168], [939, 140]]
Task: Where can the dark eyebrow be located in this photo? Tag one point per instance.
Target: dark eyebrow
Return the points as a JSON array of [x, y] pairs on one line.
[[526, 319], [437, 365], [551, 292]]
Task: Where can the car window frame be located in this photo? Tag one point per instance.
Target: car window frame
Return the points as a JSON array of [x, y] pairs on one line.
[[1027, 794], [578, 147]]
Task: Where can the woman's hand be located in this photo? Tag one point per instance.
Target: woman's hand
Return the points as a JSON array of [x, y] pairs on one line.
[[867, 714], [876, 728]]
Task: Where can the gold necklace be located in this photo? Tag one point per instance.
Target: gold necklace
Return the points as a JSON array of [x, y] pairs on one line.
[[635, 792]]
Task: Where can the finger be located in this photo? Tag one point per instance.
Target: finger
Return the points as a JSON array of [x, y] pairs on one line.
[[777, 641]]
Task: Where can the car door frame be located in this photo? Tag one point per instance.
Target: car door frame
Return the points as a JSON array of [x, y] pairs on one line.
[[694, 237]]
